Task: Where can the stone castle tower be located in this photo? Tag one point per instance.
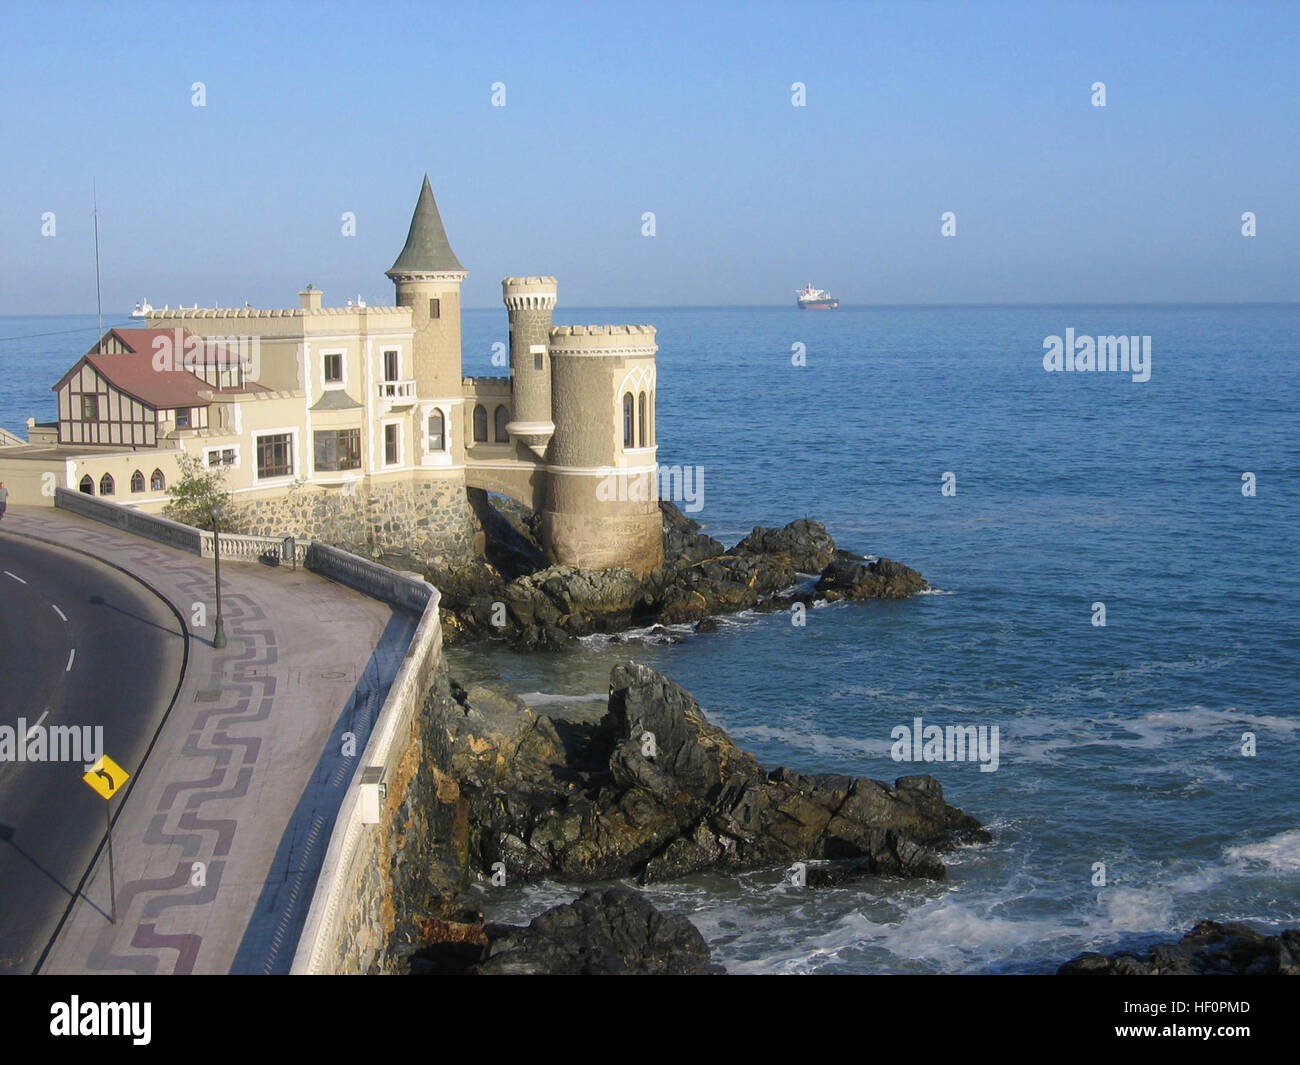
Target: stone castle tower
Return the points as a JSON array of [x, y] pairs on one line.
[[427, 276], [580, 410]]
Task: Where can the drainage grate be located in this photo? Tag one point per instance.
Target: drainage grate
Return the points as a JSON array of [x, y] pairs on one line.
[[208, 695]]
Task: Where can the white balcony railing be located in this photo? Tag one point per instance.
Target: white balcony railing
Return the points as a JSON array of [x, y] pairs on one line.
[[396, 391]]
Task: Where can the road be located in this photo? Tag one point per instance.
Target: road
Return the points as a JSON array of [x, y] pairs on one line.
[[81, 644]]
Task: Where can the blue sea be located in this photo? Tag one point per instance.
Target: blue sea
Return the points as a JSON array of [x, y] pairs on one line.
[[1119, 744]]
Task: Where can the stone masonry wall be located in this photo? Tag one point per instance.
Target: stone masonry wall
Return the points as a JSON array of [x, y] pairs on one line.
[[425, 520]]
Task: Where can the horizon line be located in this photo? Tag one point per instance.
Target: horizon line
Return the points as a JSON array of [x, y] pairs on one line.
[[786, 307]]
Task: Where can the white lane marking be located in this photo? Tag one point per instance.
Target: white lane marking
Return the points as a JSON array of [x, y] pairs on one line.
[[15, 577], [62, 615], [71, 655], [44, 715]]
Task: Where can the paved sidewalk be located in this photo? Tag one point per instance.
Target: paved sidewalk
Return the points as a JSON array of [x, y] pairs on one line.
[[217, 847]]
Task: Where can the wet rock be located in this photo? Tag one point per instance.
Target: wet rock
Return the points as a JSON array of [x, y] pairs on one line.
[[1209, 949], [882, 579], [683, 541], [806, 544], [549, 607], [654, 790], [610, 932]]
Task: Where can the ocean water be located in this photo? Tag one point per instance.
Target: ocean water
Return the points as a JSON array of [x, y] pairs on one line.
[[1119, 744]]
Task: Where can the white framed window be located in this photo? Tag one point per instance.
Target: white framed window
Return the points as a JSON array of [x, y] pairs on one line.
[[221, 458], [333, 369], [277, 454], [392, 443]]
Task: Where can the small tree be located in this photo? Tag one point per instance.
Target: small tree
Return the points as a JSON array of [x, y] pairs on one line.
[[196, 492]]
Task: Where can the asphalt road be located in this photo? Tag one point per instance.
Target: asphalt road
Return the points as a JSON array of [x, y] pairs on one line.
[[81, 644]]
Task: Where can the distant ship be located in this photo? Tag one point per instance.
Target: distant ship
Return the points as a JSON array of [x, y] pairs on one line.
[[142, 309], [814, 299]]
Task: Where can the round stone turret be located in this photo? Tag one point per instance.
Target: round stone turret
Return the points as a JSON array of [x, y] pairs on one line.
[[529, 303], [602, 505]]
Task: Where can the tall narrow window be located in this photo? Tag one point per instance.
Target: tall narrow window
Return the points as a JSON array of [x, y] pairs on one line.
[[106, 485], [500, 418], [641, 439], [480, 424], [435, 308], [390, 366], [392, 445], [137, 481], [157, 482], [333, 368], [87, 485], [437, 426], [627, 420]]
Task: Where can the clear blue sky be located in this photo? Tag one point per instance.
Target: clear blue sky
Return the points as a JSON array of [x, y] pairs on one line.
[[681, 109]]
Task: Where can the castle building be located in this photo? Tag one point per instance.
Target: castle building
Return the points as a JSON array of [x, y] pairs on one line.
[[355, 425]]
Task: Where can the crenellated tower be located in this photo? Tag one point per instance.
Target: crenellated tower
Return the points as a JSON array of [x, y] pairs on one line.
[[530, 302], [602, 506]]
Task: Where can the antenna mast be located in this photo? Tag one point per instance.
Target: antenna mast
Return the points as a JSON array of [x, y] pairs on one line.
[[99, 309]]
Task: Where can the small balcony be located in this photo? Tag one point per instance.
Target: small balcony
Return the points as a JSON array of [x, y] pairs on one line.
[[396, 393]]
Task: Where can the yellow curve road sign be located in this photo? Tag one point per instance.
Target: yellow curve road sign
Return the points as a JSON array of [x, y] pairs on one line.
[[106, 777]]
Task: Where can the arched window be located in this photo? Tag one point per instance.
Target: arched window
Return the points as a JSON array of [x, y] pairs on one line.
[[642, 440], [87, 485], [436, 427], [480, 424], [627, 420], [653, 434], [157, 482], [106, 485], [499, 419], [137, 481]]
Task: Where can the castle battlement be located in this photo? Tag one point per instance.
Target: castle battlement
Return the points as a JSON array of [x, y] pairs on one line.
[[263, 312], [600, 330], [631, 341]]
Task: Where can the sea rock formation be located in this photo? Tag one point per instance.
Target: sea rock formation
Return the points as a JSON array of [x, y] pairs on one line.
[[1209, 949], [651, 789], [616, 931], [603, 932], [548, 608]]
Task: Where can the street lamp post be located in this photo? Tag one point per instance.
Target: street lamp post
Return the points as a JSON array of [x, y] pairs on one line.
[[219, 637]]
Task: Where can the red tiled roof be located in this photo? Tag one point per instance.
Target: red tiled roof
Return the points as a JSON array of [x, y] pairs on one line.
[[160, 389], [135, 374], [138, 340]]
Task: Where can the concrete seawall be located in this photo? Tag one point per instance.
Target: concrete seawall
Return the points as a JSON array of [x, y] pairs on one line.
[[352, 915]]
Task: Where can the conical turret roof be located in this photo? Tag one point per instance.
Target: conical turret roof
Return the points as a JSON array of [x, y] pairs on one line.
[[427, 250]]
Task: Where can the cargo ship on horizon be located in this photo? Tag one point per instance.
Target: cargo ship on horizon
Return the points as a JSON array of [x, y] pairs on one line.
[[815, 299]]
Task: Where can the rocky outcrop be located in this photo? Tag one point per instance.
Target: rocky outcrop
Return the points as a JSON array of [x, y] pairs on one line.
[[1209, 949], [699, 579], [848, 577], [806, 544], [683, 541], [643, 787], [612, 932], [651, 789]]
